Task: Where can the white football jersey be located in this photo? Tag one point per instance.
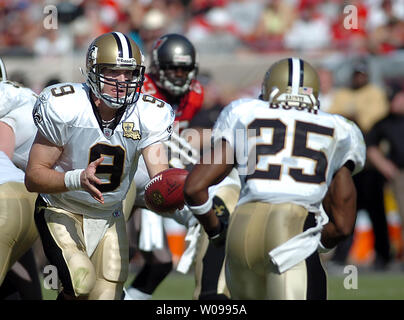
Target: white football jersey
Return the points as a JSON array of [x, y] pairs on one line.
[[64, 115], [292, 154], [16, 105]]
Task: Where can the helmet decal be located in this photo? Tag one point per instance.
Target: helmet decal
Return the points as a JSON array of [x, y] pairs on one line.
[[92, 54], [159, 43]]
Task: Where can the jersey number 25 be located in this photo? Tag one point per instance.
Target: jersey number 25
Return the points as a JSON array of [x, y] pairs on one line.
[[299, 149]]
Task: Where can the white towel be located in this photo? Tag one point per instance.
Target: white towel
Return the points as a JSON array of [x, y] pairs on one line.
[[151, 231], [298, 248], [187, 258], [94, 229]]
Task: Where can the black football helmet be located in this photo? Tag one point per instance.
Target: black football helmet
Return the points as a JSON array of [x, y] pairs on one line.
[[173, 63]]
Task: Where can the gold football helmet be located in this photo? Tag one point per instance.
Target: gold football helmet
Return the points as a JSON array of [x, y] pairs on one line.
[[115, 51], [291, 81], [3, 73]]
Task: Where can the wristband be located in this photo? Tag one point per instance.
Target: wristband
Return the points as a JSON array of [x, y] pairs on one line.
[[215, 233], [202, 209], [72, 179], [322, 249]]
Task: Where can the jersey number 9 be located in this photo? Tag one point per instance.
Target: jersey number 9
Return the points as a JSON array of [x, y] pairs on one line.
[[111, 168]]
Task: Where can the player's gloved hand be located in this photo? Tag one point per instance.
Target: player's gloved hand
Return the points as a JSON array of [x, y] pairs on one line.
[[184, 217]]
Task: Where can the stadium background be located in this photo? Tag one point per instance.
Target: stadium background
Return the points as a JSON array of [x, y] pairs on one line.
[[236, 42]]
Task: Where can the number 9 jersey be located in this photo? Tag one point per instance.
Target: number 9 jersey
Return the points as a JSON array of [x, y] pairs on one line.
[[66, 116], [288, 154]]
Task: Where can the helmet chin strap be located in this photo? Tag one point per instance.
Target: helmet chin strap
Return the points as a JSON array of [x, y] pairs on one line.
[[3, 71], [106, 98], [272, 95], [173, 89]]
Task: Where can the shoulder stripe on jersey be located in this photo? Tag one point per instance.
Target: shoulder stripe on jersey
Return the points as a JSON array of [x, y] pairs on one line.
[[124, 45], [119, 44], [295, 75]]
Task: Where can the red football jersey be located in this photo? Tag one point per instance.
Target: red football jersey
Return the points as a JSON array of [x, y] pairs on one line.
[[188, 105]]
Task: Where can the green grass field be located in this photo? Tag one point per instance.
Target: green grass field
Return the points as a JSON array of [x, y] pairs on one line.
[[370, 286]]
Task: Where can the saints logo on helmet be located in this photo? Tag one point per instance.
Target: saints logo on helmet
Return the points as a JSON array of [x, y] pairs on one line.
[[115, 51], [291, 81], [173, 63]]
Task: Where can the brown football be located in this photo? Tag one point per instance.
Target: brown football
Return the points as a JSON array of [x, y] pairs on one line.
[[164, 192]]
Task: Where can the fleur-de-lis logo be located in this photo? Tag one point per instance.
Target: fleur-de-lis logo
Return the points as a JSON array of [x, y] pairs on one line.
[[128, 131], [219, 209]]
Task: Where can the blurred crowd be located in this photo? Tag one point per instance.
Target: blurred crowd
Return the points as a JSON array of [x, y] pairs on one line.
[[214, 26]]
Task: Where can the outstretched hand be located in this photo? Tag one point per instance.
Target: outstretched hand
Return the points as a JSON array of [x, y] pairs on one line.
[[89, 180]]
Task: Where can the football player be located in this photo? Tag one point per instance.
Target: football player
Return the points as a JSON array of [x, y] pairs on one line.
[[17, 230], [83, 159], [291, 158], [172, 78]]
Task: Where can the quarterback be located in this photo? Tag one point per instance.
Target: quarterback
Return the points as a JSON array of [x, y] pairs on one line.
[[83, 159], [298, 159], [17, 229], [172, 78]]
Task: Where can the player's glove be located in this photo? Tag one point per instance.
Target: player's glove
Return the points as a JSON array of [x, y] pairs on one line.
[[184, 217]]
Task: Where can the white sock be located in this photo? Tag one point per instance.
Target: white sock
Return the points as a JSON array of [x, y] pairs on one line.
[[135, 294]]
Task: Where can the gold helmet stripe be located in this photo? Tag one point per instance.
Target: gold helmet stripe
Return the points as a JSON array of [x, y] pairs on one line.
[[301, 73], [118, 43], [296, 75], [124, 47], [129, 46]]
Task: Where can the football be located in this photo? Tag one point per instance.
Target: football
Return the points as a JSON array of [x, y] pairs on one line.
[[164, 192]]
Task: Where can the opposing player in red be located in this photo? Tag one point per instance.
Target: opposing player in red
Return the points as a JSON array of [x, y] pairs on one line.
[[172, 77]]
